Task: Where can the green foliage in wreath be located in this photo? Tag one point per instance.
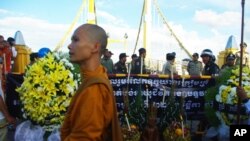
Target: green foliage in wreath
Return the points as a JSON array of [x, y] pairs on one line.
[[224, 92], [211, 93]]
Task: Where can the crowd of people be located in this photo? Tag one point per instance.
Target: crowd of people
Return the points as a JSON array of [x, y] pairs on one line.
[[7, 53], [207, 65], [194, 67], [137, 64], [92, 113]]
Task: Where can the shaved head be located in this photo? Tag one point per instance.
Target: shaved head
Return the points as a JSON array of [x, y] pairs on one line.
[[96, 34]]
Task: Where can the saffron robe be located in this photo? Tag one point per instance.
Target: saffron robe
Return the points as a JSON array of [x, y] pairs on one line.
[[92, 114]]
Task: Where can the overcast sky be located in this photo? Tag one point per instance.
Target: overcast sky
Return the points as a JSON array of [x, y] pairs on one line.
[[199, 24]]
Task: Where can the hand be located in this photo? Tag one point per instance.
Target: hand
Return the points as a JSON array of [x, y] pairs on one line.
[[11, 120], [241, 93]]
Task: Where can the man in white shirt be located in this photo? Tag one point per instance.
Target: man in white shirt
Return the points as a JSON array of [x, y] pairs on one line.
[[169, 68], [12, 43]]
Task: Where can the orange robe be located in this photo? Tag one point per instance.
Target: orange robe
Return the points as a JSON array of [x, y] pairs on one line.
[[92, 111]]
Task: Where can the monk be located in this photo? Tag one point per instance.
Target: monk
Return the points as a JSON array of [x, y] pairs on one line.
[[92, 114]]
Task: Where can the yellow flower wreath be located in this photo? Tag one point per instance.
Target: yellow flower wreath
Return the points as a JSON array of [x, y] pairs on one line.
[[48, 87], [225, 92]]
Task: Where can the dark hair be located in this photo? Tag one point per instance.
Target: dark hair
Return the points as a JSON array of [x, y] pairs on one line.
[[142, 50], [10, 40], [196, 54], [133, 56], [230, 56], [33, 56], [170, 56], [122, 55]]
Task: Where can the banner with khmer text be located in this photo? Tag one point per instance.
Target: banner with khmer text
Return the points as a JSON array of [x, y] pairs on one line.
[[154, 87], [193, 90]]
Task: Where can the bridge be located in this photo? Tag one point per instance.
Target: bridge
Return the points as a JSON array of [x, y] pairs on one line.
[[147, 27]]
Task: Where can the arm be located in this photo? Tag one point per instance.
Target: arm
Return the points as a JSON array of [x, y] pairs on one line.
[[214, 69], [112, 66], [175, 72], [117, 68], [163, 68], [14, 52], [247, 105], [243, 97], [201, 68]]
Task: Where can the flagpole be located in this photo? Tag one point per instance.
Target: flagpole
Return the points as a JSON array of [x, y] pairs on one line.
[[241, 58]]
